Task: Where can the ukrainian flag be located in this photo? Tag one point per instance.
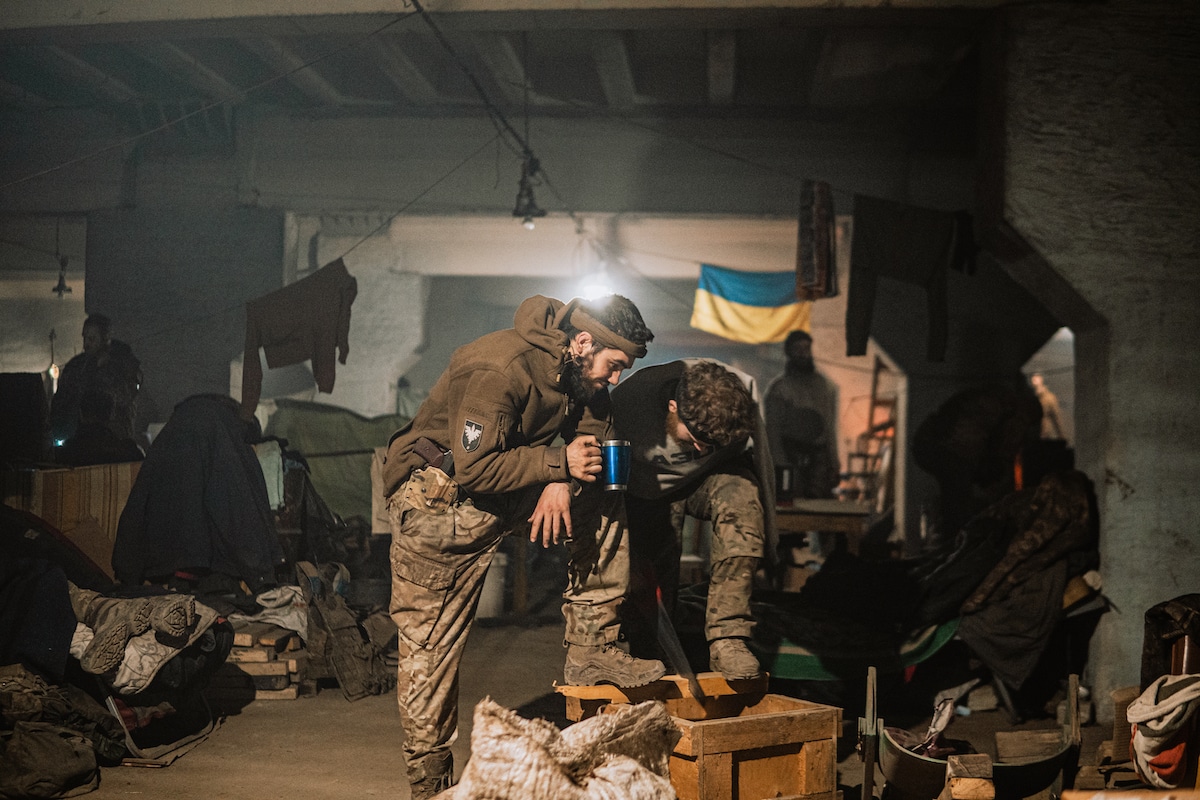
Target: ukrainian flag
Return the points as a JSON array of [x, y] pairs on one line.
[[750, 307]]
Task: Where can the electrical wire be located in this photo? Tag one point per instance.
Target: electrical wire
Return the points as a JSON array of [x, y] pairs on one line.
[[496, 115], [424, 192]]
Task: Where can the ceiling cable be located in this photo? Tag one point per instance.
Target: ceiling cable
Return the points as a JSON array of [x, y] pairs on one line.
[[493, 111]]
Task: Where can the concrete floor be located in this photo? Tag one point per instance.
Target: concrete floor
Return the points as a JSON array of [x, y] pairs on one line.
[[325, 746]]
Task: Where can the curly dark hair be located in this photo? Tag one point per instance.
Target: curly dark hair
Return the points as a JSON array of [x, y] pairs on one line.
[[619, 315], [714, 404]]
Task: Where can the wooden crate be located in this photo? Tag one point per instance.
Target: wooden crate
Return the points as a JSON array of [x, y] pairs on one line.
[[738, 742], [84, 503], [779, 747]]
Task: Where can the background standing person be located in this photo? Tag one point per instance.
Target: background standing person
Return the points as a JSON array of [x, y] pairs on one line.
[[106, 367], [480, 460], [801, 415], [1051, 414], [698, 449]]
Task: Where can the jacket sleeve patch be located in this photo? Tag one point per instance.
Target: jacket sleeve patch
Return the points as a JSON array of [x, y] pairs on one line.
[[472, 435]]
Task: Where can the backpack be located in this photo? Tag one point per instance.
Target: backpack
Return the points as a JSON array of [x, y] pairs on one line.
[[41, 759]]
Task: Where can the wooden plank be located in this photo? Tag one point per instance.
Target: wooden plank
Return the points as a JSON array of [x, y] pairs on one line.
[[714, 778], [1013, 747], [971, 765], [685, 777], [712, 684], [243, 655], [817, 770], [763, 730], [246, 634], [277, 637], [768, 772], [969, 777]]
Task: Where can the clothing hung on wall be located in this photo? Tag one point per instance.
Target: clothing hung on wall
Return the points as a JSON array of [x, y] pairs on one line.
[[816, 263], [309, 319], [910, 244]]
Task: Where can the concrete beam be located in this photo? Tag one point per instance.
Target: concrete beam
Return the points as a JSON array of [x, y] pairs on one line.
[[398, 68], [79, 71], [616, 74], [506, 66], [19, 95], [284, 61], [171, 58], [722, 67], [24, 15]]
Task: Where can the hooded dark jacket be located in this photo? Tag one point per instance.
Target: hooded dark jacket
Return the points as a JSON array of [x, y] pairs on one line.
[[499, 408]]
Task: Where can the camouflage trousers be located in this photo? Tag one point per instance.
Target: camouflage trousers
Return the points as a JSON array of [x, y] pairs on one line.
[[730, 501], [442, 545]]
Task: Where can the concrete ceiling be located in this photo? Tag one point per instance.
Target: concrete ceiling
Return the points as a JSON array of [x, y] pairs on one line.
[[186, 70]]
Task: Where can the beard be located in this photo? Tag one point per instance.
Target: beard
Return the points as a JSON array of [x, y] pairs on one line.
[[576, 388]]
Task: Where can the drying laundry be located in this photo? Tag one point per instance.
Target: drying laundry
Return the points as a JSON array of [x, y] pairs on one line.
[[910, 244], [306, 320]]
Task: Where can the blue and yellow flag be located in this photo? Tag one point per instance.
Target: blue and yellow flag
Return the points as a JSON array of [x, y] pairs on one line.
[[750, 307]]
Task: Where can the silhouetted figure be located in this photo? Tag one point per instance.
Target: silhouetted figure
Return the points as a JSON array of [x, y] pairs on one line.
[[971, 443], [801, 414], [107, 367]]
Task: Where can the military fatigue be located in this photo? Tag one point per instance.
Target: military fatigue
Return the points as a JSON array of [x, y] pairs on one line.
[[730, 501], [669, 481], [497, 414], [442, 545]]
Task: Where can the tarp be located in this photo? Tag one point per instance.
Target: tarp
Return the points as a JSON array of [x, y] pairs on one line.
[[338, 445]]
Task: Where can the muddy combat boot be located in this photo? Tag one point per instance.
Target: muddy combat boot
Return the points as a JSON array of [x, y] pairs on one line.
[[431, 775], [588, 665], [114, 621], [733, 659]]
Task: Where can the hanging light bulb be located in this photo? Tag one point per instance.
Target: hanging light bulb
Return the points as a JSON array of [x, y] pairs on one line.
[[61, 287], [526, 207]]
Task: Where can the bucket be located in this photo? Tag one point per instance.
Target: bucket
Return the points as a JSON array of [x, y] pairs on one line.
[[491, 601]]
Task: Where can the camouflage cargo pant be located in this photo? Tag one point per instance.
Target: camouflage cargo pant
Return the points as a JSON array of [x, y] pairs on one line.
[[442, 546], [730, 501]]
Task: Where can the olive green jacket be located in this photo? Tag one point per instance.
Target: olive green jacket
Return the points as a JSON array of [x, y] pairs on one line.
[[500, 409]]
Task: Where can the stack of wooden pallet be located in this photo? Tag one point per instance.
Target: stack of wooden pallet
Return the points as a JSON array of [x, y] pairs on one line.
[[265, 663]]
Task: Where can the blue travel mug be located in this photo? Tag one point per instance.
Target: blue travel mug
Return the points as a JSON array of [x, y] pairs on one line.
[[614, 457]]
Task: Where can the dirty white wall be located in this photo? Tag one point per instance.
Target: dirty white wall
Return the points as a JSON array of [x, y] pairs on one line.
[[1103, 178]]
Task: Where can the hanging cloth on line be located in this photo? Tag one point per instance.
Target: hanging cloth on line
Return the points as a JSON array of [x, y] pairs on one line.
[[910, 244], [309, 319]]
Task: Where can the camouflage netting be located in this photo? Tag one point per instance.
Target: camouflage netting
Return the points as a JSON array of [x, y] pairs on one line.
[[621, 755]]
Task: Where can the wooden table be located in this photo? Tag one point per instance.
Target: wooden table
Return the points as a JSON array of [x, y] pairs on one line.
[[835, 516]]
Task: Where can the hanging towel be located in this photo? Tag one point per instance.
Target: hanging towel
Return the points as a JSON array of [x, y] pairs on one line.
[[816, 263], [750, 307], [910, 244], [309, 319]]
